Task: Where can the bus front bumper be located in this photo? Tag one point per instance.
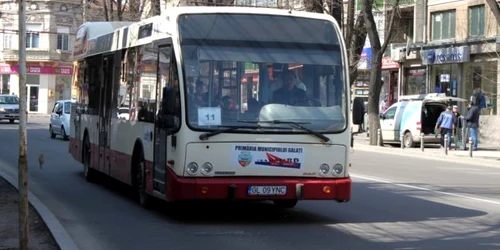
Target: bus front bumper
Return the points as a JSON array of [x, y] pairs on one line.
[[239, 188]]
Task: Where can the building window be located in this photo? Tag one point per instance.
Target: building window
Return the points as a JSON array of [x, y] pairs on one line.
[[63, 38], [7, 41], [476, 20], [33, 36], [443, 25]]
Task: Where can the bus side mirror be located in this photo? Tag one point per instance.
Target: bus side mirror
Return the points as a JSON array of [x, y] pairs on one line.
[[382, 116], [167, 121], [358, 111]]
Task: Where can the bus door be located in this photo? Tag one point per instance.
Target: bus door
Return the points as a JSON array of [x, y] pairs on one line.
[[105, 113], [161, 130]]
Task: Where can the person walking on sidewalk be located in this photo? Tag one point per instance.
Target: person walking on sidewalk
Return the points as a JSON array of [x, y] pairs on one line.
[[445, 125], [472, 119]]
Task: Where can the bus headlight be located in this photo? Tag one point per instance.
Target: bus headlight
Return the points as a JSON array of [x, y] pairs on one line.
[[324, 169], [206, 168], [337, 169], [192, 168]]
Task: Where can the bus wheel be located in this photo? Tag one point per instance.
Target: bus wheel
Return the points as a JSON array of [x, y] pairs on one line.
[[140, 185], [285, 203], [88, 172]]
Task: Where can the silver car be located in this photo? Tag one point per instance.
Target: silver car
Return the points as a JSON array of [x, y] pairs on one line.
[[9, 108]]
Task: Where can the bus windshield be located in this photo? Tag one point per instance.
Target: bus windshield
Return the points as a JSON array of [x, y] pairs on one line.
[[250, 68]]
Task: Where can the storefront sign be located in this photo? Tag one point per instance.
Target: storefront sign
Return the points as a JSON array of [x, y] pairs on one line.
[[445, 55], [36, 70], [388, 63], [365, 59]]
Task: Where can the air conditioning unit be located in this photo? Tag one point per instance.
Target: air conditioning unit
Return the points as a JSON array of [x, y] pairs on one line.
[[397, 52]]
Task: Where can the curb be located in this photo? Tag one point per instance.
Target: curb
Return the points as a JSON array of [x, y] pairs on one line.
[[61, 236], [436, 157]]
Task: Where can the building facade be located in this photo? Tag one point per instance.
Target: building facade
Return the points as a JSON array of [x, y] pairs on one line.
[[453, 50], [50, 28]]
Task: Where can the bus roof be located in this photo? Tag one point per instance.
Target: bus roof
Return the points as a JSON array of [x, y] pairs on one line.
[[100, 37]]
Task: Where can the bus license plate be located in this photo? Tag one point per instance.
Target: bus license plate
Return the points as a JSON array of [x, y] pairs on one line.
[[267, 190]]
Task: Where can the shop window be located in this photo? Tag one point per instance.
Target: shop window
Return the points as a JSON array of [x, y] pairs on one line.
[[63, 38], [476, 20], [443, 25], [33, 36], [415, 81], [483, 75]]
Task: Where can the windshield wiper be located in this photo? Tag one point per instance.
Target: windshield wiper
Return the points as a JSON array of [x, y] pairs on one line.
[[226, 129], [295, 124]]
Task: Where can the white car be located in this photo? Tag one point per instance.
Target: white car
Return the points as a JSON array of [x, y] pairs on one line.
[[9, 108], [60, 119]]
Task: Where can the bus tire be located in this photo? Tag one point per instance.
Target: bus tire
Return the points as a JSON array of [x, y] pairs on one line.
[[88, 172], [286, 203], [143, 197]]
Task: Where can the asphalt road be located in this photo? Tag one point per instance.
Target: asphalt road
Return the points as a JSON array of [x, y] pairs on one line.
[[397, 203]]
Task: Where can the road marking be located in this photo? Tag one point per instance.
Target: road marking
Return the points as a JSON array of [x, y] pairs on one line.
[[369, 178]]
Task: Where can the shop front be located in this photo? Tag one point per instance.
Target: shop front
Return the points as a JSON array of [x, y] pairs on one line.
[[390, 77], [44, 85], [482, 73], [445, 69]]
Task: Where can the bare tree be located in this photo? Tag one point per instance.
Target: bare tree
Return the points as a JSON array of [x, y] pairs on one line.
[[113, 10], [376, 63], [495, 9], [353, 29], [156, 10], [355, 37]]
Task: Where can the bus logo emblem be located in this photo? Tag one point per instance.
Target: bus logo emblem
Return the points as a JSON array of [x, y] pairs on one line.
[[244, 159]]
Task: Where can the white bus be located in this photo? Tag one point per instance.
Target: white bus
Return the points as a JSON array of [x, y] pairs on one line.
[[224, 103]]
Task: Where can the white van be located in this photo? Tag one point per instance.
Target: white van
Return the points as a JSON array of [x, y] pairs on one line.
[[413, 115]]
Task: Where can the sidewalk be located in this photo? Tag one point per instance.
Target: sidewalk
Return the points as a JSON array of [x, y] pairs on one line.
[[39, 235], [485, 154], [51, 227]]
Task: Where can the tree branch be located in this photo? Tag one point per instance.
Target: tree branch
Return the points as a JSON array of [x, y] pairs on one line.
[[390, 29], [495, 9]]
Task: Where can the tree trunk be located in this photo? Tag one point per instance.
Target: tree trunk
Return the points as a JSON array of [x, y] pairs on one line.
[[336, 8], [376, 64], [106, 14], [495, 9], [374, 99], [119, 10], [156, 7]]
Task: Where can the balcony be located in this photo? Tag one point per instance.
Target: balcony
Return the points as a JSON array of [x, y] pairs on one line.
[[37, 55]]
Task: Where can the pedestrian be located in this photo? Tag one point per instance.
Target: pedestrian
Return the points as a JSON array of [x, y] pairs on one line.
[[457, 132], [445, 125], [472, 119]]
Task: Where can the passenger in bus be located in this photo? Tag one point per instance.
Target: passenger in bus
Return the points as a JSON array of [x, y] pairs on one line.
[[289, 93], [227, 103], [201, 95]]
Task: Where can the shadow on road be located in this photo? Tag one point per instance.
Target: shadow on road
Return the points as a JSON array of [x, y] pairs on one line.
[[379, 216], [372, 203]]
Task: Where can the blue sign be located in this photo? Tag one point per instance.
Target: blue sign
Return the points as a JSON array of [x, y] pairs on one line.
[[365, 59], [445, 55]]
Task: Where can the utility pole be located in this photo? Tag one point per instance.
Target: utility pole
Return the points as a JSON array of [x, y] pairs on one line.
[[23, 140]]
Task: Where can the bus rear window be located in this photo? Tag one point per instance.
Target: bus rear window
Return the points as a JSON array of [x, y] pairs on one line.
[[252, 27]]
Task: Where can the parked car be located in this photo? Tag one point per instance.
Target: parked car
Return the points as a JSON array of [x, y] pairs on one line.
[[413, 115], [9, 108], [60, 119]]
